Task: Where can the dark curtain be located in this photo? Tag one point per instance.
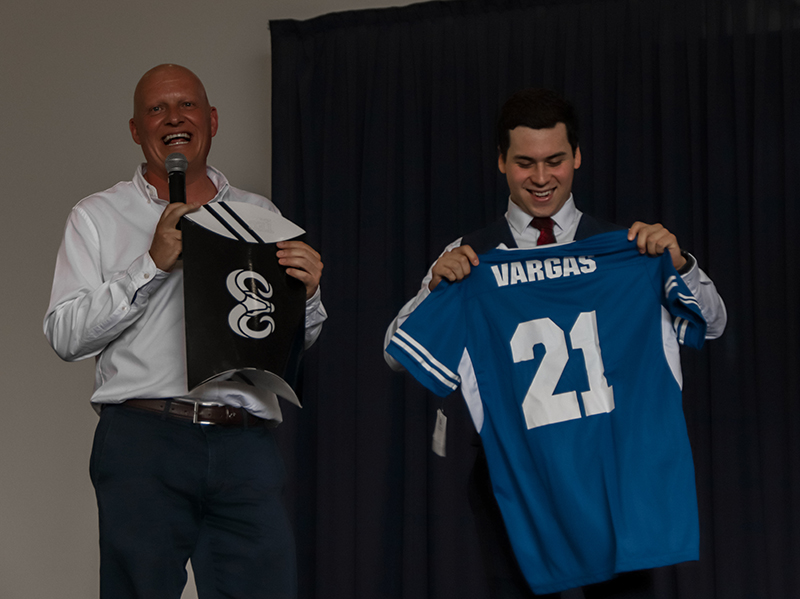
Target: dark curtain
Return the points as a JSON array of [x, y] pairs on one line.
[[384, 150]]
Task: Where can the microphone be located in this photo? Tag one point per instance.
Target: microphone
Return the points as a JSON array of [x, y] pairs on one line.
[[176, 164]]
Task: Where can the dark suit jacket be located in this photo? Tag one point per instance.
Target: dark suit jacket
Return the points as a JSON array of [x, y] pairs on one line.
[[488, 238]]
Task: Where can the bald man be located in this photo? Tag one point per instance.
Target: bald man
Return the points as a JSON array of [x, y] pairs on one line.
[[169, 489]]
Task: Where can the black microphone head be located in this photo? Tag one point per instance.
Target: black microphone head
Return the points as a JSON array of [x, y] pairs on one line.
[[176, 163]]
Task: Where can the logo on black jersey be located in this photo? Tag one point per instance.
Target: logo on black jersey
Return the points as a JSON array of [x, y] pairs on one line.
[[250, 317]]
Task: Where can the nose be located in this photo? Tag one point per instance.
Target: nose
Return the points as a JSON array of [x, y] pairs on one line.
[[174, 115], [538, 174]]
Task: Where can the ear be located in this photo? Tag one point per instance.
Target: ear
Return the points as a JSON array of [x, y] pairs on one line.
[[134, 131], [501, 161], [577, 157], [214, 121]]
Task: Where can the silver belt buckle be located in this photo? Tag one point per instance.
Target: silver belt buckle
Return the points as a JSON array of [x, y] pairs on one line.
[[196, 415]]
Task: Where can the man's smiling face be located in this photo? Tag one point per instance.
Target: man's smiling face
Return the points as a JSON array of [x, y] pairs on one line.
[[171, 113], [539, 167]]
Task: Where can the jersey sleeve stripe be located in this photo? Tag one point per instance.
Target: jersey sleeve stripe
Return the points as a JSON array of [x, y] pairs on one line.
[[688, 322], [681, 325], [689, 300], [424, 363], [433, 361], [670, 284]]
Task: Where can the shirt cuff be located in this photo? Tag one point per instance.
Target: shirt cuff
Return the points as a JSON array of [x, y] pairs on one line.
[[312, 303], [145, 277]]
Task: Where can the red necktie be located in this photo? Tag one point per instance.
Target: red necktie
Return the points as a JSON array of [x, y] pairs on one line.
[[545, 226]]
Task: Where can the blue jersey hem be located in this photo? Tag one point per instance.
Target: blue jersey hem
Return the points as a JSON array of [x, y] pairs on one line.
[[628, 566]]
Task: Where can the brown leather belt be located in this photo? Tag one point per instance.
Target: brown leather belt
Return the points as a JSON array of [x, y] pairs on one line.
[[198, 413]]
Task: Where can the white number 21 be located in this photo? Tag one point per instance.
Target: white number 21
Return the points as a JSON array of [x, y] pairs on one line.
[[541, 406]]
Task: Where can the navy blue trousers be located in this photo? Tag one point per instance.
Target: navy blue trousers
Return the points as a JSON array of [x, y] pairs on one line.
[[168, 490]]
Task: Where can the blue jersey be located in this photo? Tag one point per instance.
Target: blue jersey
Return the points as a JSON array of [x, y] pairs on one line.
[[567, 358]]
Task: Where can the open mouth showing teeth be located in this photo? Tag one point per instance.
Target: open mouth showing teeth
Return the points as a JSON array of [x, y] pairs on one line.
[[542, 194], [176, 139]]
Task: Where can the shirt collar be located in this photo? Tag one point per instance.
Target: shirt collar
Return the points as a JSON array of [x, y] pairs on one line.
[[563, 219], [148, 191]]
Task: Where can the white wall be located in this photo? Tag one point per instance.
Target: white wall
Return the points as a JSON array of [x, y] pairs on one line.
[[67, 74]]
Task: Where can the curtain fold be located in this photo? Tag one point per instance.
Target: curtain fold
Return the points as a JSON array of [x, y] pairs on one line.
[[384, 151]]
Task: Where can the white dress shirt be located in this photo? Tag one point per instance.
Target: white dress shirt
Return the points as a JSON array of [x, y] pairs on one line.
[[110, 301]]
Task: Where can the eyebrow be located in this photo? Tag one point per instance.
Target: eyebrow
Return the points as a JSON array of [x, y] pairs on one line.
[[546, 159]]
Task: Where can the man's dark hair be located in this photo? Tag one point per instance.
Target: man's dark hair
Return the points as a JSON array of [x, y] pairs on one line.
[[536, 108]]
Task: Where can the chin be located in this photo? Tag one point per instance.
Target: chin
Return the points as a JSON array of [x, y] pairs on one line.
[[541, 212]]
